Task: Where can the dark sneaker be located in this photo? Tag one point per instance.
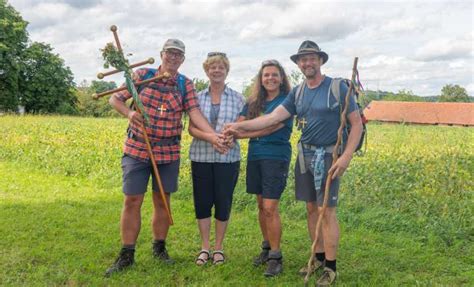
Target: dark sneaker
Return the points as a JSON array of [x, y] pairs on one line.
[[314, 266], [328, 277], [124, 260], [262, 258], [160, 252], [274, 267]]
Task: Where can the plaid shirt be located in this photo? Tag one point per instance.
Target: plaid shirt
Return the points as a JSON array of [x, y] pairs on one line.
[[164, 104], [230, 107]]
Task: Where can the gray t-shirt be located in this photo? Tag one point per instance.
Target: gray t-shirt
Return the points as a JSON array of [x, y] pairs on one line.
[[321, 115], [214, 114]]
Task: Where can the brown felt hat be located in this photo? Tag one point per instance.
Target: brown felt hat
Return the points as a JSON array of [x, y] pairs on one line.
[[309, 47]]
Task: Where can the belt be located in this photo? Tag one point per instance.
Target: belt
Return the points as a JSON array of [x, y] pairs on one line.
[[161, 142], [328, 149]]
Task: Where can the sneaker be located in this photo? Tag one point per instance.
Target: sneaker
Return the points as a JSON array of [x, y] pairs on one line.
[[262, 258], [328, 277], [160, 252], [124, 260], [274, 267], [314, 266]]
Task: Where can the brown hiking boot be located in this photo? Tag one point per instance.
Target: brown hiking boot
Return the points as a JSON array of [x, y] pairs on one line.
[[327, 279], [315, 265]]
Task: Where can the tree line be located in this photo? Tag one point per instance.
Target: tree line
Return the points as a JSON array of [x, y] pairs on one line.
[[36, 79]]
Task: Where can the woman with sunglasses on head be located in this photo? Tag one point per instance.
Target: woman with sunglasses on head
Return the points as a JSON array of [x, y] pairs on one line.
[[269, 155], [215, 168]]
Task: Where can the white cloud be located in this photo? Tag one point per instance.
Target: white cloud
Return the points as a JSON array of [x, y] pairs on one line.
[[401, 45]]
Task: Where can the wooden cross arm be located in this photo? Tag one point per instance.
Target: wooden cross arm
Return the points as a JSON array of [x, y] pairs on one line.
[[102, 75], [159, 77]]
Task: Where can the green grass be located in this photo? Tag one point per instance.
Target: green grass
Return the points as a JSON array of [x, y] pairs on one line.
[[406, 212]]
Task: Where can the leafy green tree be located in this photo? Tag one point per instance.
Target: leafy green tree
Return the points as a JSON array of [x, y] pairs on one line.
[[87, 106], [13, 39], [200, 84], [296, 78], [47, 85], [454, 93], [403, 96]]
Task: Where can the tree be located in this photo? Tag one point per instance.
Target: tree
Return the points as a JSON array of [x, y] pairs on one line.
[[200, 84], [87, 106], [296, 78], [404, 96], [47, 85], [13, 39], [454, 93]]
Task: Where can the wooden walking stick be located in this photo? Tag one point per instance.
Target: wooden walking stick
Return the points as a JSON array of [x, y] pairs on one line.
[[335, 156], [114, 57]]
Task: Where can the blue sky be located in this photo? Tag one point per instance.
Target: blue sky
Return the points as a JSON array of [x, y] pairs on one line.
[[415, 45]]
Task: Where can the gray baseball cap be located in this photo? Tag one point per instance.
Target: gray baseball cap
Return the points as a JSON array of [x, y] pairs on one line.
[[174, 44]]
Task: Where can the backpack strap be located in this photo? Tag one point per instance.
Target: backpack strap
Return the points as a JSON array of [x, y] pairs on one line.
[[336, 91], [149, 74], [299, 93], [182, 85]]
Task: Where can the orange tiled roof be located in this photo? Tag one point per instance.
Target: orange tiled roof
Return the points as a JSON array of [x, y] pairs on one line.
[[421, 112]]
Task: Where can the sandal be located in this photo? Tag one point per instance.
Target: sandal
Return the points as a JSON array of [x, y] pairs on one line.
[[218, 261], [200, 259]]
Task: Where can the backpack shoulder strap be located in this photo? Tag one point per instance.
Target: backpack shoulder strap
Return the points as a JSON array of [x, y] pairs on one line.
[[182, 84], [150, 73], [299, 93], [335, 90]]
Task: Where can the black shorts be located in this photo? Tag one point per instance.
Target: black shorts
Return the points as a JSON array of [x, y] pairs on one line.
[[136, 175], [213, 185], [267, 177]]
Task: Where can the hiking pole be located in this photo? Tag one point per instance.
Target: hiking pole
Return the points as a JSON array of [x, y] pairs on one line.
[[335, 156], [114, 56]]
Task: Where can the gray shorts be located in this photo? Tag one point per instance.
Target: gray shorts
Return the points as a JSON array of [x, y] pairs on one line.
[[136, 174], [304, 183]]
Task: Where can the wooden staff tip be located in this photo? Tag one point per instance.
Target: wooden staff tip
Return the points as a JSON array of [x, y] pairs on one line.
[[94, 96], [151, 61], [100, 76], [113, 28]]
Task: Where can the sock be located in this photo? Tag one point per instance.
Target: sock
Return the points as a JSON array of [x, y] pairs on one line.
[[265, 245], [320, 256], [159, 242], [128, 246], [331, 264]]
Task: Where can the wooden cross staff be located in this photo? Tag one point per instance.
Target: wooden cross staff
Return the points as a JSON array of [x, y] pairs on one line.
[[121, 65], [335, 157]]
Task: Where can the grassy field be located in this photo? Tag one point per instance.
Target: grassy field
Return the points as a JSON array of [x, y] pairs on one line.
[[406, 212]]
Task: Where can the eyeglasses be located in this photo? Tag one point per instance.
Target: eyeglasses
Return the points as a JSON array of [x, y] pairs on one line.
[[171, 54], [271, 63], [212, 54]]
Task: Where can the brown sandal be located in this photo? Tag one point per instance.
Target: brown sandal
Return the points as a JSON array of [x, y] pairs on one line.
[[202, 261]]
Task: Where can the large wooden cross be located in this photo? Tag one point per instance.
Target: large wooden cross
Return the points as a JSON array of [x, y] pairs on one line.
[[131, 87]]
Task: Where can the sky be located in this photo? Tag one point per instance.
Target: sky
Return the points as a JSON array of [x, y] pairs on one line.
[[418, 46]]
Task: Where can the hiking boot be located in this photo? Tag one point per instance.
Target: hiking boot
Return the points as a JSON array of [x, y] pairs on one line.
[[262, 258], [124, 260], [315, 265], [274, 267], [160, 252], [328, 277], [274, 263]]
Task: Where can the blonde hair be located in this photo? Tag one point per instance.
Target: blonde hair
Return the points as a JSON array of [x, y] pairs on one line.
[[214, 59]]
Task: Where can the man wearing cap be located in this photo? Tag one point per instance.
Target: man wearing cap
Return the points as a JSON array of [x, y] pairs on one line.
[[318, 116], [164, 101]]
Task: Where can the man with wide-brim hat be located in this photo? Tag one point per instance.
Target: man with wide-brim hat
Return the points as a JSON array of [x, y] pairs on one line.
[[309, 47], [318, 116]]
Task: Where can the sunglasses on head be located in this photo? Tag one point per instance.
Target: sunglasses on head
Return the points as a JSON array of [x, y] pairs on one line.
[[271, 62], [212, 54]]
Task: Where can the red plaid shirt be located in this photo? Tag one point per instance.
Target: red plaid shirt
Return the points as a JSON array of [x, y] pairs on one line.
[[164, 104]]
